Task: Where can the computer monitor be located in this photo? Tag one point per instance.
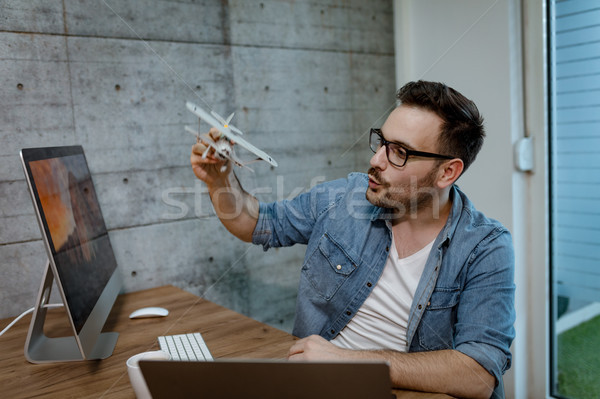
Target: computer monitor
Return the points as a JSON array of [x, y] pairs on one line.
[[80, 256]]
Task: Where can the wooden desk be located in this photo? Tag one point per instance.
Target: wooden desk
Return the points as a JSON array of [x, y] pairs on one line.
[[228, 335]]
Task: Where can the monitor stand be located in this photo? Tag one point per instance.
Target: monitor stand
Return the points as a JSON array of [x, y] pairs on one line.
[[41, 349]]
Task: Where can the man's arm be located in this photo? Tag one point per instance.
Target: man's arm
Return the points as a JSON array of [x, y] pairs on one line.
[[445, 371], [237, 210]]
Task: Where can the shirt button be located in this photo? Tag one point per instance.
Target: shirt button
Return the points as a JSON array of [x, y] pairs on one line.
[[339, 267], [348, 313], [333, 331], [387, 249], [369, 285], [419, 306]]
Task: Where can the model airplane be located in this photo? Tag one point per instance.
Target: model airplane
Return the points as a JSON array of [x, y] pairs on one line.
[[222, 145]]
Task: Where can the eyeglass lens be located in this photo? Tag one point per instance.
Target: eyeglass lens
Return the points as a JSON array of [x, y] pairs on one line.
[[396, 155]]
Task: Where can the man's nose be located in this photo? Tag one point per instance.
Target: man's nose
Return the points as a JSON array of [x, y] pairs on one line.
[[379, 159]]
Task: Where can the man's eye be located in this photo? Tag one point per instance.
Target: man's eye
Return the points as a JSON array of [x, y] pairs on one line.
[[398, 151]]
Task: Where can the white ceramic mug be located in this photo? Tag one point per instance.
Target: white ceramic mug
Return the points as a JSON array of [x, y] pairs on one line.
[[135, 374]]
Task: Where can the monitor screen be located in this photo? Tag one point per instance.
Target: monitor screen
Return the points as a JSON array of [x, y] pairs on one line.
[[81, 258], [75, 229]]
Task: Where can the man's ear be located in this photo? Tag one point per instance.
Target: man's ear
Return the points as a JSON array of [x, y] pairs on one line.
[[450, 171]]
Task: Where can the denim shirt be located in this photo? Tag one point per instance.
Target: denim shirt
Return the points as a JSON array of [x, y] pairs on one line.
[[464, 300]]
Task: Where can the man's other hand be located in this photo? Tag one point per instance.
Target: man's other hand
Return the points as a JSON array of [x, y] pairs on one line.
[[315, 348]]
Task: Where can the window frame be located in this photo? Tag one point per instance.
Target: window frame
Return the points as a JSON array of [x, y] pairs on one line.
[[531, 348], [551, 131]]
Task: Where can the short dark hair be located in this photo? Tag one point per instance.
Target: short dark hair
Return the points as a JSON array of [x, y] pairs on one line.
[[462, 130]]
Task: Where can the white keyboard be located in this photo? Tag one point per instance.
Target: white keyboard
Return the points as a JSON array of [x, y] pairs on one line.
[[188, 347]]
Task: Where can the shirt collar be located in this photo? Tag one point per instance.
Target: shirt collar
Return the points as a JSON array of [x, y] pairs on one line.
[[455, 212]]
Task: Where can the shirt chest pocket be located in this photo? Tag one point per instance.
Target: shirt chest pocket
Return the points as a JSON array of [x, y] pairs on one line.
[[436, 330], [327, 267]]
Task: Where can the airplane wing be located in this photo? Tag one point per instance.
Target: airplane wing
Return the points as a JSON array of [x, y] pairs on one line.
[[211, 120]]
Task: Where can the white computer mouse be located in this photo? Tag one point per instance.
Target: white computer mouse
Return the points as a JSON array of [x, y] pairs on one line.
[[149, 312]]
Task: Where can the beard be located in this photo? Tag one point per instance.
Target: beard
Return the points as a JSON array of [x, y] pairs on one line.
[[405, 198]]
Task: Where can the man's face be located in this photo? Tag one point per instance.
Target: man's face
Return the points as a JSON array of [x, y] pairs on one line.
[[413, 186]]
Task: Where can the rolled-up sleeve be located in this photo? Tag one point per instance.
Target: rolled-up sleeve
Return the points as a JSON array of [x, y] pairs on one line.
[[282, 224], [290, 222], [484, 328]]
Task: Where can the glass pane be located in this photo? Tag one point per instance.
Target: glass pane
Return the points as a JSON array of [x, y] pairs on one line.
[[574, 68]]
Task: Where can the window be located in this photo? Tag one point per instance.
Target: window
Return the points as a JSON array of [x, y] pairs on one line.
[[574, 70]]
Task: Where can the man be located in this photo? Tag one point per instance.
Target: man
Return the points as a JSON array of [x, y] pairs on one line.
[[399, 265]]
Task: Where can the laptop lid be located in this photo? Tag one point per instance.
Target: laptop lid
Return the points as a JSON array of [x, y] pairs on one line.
[[266, 379]]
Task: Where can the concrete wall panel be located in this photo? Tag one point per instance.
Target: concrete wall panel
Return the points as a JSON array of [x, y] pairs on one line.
[[32, 16], [204, 21], [34, 97], [359, 26]]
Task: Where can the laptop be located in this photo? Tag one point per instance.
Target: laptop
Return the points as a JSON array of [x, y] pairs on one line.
[[266, 379]]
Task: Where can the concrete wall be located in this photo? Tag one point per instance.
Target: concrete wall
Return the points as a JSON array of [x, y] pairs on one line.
[[307, 80]]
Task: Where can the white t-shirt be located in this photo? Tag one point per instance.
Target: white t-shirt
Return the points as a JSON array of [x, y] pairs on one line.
[[382, 320]]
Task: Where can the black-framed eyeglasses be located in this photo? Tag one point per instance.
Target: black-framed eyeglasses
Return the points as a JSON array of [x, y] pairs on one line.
[[396, 153]]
